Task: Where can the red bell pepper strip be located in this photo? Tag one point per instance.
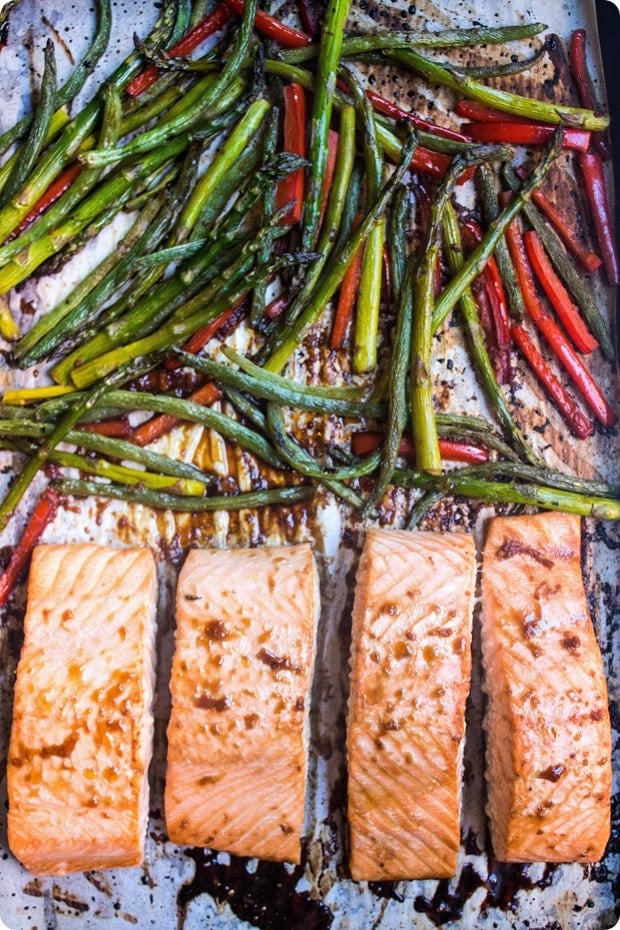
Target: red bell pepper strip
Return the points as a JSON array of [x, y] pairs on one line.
[[435, 164], [387, 275], [568, 358], [206, 27], [274, 28], [364, 443], [309, 18], [579, 69], [119, 429], [558, 295], [277, 307], [43, 513], [347, 299], [202, 336], [518, 133], [595, 183], [291, 189], [482, 113], [500, 356], [575, 419], [493, 306], [387, 108], [158, 426], [493, 280], [589, 260], [54, 192]]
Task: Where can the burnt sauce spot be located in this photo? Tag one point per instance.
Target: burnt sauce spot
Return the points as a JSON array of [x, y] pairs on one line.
[[447, 902], [266, 898], [503, 882], [388, 890]]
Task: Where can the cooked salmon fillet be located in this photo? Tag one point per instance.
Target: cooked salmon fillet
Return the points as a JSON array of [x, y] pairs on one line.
[[242, 668], [410, 673], [549, 738], [82, 731]]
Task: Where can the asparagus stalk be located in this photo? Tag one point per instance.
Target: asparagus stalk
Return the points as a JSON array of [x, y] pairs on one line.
[[399, 363], [491, 209], [482, 360], [285, 497], [463, 484], [232, 149], [285, 344], [566, 270], [150, 227], [58, 155], [218, 93], [79, 187], [445, 38], [74, 84], [476, 261], [366, 325], [553, 113], [423, 424], [325, 85], [39, 129], [112, 194]]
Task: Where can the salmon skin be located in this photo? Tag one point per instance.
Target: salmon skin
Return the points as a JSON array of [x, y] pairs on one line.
[[549, 737], [410, 674], [241, 675], [82, 732]]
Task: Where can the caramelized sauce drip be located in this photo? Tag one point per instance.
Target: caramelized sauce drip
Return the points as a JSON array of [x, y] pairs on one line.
[[266, 898]]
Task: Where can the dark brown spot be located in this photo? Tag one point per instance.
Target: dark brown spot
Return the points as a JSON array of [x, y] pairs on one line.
[[208, 702], [278, 663], [299, 704], [512, 547], [63, 749], [216, 630], [250, 721], [571, 643], [596, 714], [553, 773]]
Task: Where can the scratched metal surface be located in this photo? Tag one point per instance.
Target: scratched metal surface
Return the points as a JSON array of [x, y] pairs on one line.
[[195, 888]]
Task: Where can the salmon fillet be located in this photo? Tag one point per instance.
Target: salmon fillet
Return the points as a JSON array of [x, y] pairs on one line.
[[549, 738], [82, 732], [237, 740], [410, 673]]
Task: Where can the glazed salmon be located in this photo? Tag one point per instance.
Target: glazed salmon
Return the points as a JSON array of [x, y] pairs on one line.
[[242, 668], [549, 739], [410, 674], [82, 731]]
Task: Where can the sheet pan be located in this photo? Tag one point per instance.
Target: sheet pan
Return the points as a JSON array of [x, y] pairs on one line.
[[202, 889]]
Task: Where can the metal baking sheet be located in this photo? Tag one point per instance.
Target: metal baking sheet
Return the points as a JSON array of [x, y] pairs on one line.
[[195, 888]]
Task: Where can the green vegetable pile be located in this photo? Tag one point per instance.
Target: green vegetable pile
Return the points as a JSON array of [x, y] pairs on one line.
[[309, 195]]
